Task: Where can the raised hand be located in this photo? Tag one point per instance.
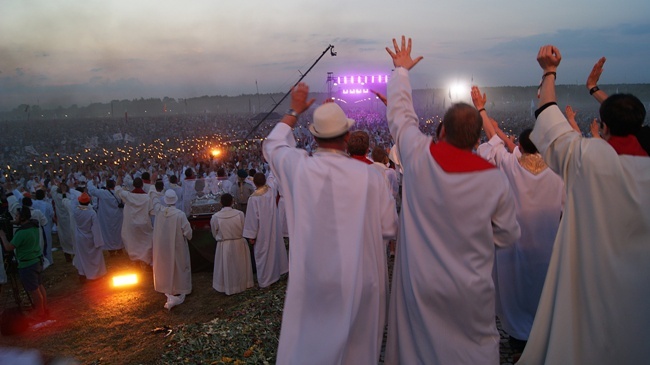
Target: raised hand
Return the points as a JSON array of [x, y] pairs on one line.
[[381, 97], [596, 71], [299, 101], [549, 58], [402, 56], [478, 99]]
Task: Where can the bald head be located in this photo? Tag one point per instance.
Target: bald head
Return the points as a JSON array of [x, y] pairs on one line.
[[462, 124]]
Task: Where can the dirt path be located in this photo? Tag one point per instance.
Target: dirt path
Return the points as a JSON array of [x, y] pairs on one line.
[[98, 324]]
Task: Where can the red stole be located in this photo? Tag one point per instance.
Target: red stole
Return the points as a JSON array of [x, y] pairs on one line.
[[362, 159], [627, 145], [454, 160], [138, 191]]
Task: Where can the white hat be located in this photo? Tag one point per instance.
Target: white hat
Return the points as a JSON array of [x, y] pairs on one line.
[[330, 121], [170, 197]]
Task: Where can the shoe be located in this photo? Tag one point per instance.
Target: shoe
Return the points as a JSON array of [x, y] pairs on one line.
[[174, 300], [43, 324]]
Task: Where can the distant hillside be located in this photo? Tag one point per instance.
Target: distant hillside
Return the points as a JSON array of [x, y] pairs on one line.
[[434, 100]]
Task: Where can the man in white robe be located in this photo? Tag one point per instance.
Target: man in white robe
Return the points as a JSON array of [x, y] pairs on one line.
[[520, 270], [339, 212], [263, 230], [89, 253], [172, 273], [45, 206], [233, 272], [136, 226], [64, 199], [594, 306], [110, 214], [455, 207]]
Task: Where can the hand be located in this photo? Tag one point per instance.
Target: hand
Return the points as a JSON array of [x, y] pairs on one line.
[[381, 97], [594, 127], [402, 57], [478, 99], [299, 95], [570, 114], [596, 71], [549, 58]]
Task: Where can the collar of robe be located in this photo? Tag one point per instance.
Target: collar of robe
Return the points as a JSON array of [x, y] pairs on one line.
[[261, 191], [138, 191], [627, 145], [331, 150], [361, 158], [533, 163], [454, 160]]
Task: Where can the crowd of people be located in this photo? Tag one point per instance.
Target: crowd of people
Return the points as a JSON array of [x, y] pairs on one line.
[[544, 224]]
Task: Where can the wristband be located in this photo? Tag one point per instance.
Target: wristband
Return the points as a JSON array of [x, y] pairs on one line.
[[292, 113], [539, 88], [481, 110], [593, 90]]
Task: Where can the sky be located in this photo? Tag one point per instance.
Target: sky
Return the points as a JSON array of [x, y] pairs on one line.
[[67, 52]]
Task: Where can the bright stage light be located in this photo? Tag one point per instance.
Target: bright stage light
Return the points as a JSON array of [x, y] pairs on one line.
[[125, 280], [215, 152], [459, 92]]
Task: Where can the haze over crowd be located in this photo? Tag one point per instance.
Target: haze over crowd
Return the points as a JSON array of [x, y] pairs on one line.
[[65, 53]]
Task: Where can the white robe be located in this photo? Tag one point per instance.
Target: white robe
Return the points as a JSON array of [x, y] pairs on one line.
[[89, 255], [45, 207], [339, 212], [172, 272], [442, 296], [520, 270], [110, 217], [594, 306], [233, 271], [136, 227], [263, 225], [64, 222]]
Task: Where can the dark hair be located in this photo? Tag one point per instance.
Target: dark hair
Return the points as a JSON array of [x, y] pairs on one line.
[[462, 125], [623, 114], [146, 176], [27, 201], [189, 172], [259, 179], [221, 172], [358, 143], [110, 184], [173, 179], [438, 130], [379, 154], [40, 194], [527, 146], [252, 172], [25, 214], [226, 200], [137, 183], [159, 185]]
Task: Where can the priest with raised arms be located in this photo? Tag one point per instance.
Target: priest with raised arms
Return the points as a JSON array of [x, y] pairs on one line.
[[455, 208]]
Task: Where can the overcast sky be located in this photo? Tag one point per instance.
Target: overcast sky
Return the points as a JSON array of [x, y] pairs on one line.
[[63, 52]]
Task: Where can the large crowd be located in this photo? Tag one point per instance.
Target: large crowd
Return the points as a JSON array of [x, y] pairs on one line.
[[461, 194]]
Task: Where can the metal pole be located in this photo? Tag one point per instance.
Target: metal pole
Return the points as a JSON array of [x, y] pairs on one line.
[[288, 92]]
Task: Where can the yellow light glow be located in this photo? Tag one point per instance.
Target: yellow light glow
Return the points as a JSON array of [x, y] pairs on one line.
[[215, 152], [125, 280]]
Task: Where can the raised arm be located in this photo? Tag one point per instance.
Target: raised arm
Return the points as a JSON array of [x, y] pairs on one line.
[[479, 101], [592, 81], [549, 58], [571, 117]]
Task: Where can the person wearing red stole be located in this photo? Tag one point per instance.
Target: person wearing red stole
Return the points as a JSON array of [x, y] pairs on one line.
[[594, 306], [455, 208]]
